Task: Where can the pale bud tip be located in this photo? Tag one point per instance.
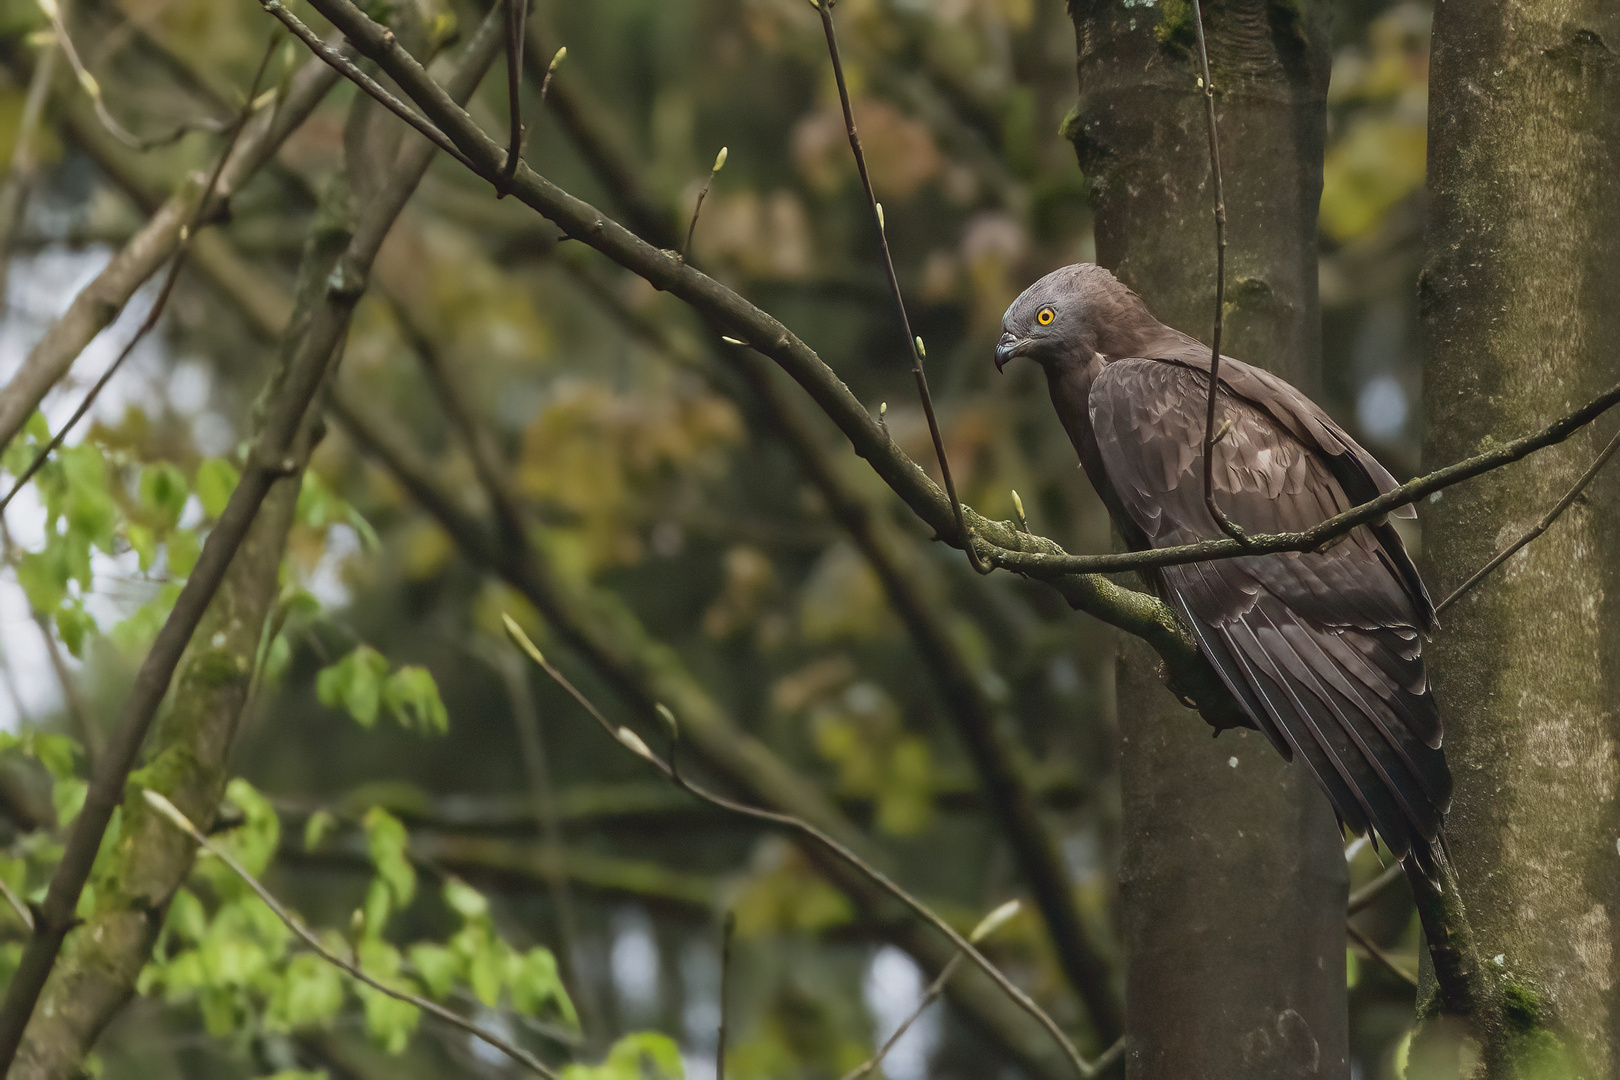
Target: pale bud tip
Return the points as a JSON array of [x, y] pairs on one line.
[[634, 742], [883, 408], [729, 340], [515, 632], [562, 54], [720, 159], [879, 208], [668, 716], [1018, 504], [166, 808], [994, 921], [920, 350]]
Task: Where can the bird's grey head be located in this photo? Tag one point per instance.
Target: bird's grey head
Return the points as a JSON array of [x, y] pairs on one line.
[[1071, 314]]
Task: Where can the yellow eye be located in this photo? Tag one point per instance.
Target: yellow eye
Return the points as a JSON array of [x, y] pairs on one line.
[[1046, 316]]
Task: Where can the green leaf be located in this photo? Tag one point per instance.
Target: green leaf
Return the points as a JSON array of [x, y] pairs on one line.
[[73, 623], [58, 753], [438, 968], [318, 505], [184, 548], [67, 796], [388, 1021], [88, 505], [253, 842], [378, 905], [26, 446], [536, 983], [645, 1055], [413, 698], [386, 840], [216, 480], [465, 900], [164, 491], [486, 969], [44, 577], [354, 684], [276, 659], [143, 542], [186, 919], [309, 994], [315, 829]]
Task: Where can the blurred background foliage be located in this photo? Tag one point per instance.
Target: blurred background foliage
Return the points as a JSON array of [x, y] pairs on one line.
[[388, 742]]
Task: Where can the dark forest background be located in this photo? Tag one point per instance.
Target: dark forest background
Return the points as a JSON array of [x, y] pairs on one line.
[[661, 494]]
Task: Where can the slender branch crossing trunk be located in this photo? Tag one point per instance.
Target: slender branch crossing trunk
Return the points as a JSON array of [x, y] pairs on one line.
[[1520, 316], [1233, 878]]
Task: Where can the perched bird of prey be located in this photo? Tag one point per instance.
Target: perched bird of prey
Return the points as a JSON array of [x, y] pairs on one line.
[[1323, 650]]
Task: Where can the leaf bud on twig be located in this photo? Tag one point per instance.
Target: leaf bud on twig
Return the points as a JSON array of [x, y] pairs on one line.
[[635, 743], [994, 921]]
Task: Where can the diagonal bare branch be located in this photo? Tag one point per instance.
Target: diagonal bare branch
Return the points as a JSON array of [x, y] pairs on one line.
[[636, 745]]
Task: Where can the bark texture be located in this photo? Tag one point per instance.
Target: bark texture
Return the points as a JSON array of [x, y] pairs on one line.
[[1233, 878], [1520, 317]]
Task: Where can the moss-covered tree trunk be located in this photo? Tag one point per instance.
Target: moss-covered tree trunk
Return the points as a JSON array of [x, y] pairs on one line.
[[1233, 878], [1521, 308]]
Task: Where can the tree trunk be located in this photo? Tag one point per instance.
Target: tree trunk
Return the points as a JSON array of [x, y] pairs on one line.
[[1520, 314], [1233, 879]]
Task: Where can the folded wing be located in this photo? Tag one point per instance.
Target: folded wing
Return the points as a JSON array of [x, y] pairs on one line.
[[1323, 650]]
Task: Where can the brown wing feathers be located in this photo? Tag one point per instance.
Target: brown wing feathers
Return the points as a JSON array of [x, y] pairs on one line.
[[1323, 649]]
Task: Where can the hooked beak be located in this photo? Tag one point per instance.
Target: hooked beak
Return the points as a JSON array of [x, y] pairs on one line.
[[1007, 348]]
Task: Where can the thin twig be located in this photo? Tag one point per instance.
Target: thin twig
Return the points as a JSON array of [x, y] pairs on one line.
[[1540, 527], [636, 745], [1362, 898], [526, 718], [17, 905], [987, 926], [1383, 959], [172, 814], [728, 931], [935, 990], [703, 193], [91, 87], [913, 342], [517, 12], [1227, 526], [345, 67], [187, 231]]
